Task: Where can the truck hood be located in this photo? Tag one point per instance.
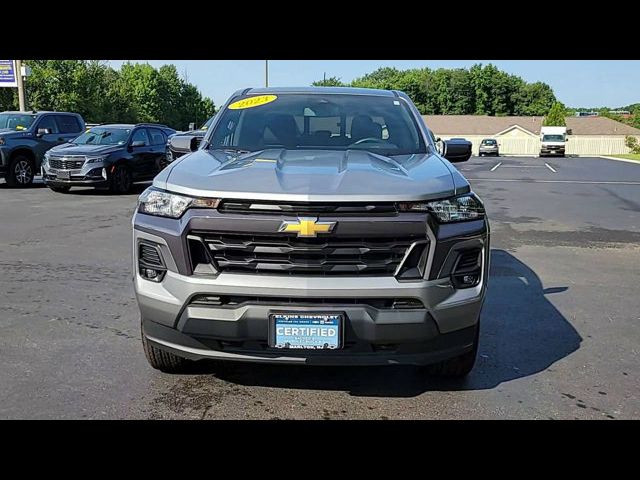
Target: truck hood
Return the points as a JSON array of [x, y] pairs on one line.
[[73, 149], [309, 175]]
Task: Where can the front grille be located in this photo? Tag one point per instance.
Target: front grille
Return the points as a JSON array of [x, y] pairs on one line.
[[66, 163], [321, 256], [301, 208], [238, 300]]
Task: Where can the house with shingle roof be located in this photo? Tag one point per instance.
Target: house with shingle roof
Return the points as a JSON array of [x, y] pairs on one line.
[[521, 135]]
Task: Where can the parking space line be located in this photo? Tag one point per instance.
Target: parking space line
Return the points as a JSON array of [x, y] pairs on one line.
[[523, 166], [550, 167], [497, 165], [585, 182]]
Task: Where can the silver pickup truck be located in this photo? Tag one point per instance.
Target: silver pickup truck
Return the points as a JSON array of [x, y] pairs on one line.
[[313, 226]]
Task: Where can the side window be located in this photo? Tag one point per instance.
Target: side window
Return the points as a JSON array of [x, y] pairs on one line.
[[68, 124], [140, 135], [157, 137], [49, 122]]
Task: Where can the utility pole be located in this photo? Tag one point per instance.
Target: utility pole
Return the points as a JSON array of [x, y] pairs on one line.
[[266, 73], [324, 79], [18, 72]]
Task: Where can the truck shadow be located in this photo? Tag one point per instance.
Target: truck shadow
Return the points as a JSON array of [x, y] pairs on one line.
[[522, 333]]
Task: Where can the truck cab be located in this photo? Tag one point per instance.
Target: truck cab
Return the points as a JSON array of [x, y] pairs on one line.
[[553, 141]]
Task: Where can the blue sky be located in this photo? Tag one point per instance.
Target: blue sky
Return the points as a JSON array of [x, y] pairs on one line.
[[577, 83]]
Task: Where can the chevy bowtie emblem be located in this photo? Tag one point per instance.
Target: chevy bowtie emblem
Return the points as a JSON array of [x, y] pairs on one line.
[[306, 227]]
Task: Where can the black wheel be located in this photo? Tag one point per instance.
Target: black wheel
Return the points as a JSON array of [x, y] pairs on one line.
[[120, 181], [456, 367], [165, 361], [62, 189], [21, 172]]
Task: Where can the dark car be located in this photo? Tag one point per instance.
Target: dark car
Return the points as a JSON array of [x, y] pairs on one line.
[[198, 135], [107, 156], [26, 136], [489, 146]]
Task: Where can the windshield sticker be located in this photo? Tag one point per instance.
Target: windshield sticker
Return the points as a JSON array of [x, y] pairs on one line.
[[20, 127], [252, 102]]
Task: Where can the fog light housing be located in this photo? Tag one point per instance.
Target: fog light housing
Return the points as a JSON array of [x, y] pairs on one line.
[[152, 274], [468, 269], [151, 265]]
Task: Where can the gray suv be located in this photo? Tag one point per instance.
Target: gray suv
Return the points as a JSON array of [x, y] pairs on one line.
[[26, 136], [313, 226]]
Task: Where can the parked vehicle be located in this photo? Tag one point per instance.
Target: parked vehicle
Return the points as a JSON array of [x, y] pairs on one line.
[[489, 146], [26, 136], [553, 141], [312, 226], [107, 156], [197, 135]]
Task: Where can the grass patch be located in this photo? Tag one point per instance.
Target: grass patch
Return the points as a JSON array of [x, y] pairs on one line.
[[629, 156]]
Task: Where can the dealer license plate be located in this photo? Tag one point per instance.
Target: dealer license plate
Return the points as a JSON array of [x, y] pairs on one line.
[[63, 175], [312, 331]]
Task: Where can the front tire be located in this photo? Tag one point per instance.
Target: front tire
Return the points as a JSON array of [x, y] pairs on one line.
[[166, 362], [120, 181], [21, 172], [457, 367]]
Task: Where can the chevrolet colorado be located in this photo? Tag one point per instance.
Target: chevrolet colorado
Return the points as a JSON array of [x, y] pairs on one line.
[[313, 226]]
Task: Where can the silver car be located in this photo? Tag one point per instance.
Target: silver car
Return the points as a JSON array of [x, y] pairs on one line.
[[313, 226], [489, 146]]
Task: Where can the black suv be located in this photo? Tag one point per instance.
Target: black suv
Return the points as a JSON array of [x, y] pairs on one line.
[[107, 156], [26, 136]]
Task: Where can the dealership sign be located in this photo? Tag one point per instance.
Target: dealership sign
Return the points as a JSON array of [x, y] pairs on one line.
[[8, 73]]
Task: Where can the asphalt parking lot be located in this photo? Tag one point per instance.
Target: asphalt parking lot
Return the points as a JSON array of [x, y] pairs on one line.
[[560, 329]]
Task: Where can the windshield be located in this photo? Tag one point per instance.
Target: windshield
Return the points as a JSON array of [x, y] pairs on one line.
[[103, 136], [16, 121], [553, 138], [382, 125]]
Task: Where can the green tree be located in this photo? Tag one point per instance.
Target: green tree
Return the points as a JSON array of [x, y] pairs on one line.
[[632, 144], [8, 99], [533, 99], [385, 78], [135, 93], [329, 82], [555, 117], [481, 90]]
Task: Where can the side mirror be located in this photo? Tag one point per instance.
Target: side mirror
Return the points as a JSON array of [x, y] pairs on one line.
[[43, 131], [183, 143], [138, 143]]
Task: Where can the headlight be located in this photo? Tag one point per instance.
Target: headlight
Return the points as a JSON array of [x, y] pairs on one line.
[[96, 159], [456, 209], [154, 201]]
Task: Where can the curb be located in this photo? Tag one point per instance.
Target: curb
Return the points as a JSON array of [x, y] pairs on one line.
[[637, 162]]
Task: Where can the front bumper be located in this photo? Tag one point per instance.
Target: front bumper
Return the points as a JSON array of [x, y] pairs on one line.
[[444, 328], [552, 151], [488, 151], [89, 175]]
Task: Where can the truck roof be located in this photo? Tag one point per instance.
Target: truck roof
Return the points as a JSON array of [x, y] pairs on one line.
[[321, 90]]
